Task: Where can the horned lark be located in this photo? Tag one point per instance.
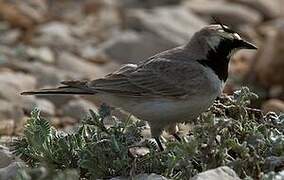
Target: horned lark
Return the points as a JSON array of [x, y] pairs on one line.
[[170, 87]]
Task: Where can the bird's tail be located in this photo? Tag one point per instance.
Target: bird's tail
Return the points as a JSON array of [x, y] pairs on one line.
[[70, 87]]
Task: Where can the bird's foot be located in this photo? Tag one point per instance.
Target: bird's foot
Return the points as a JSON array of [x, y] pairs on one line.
[[157, 139]]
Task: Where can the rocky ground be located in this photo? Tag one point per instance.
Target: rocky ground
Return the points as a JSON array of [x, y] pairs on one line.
[[45, 42]]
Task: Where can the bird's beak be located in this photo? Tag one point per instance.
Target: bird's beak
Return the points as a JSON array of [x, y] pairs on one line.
[[245, 44]]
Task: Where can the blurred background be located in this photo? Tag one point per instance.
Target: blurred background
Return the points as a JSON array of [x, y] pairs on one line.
[[43, 42]]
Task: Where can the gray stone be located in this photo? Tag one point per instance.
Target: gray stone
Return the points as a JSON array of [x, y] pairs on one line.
[[273, 163], [269, 9], [6, 157], [159, 29], [107, 19], [11, 84], [7, 127], [133, 47], [273, 105], [270, 55], [47, 75], [88, 52], [35, 10], [10, 111], [20, 81], [10, 36], [55, 34], [175, 24], [43, 54], [46, 107], [8, 92], [151, 176], [221, 173], [147, 3], [77, 65], [228, 13], [10, 172], [78, 108]]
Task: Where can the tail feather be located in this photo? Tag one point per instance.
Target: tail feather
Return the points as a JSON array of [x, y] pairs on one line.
[[63, 90]]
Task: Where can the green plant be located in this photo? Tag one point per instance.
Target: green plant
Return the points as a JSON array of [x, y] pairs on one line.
[[229, 133]]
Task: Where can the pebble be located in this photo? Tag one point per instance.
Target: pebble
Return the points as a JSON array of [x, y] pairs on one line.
[[78, 108], [221, 173]]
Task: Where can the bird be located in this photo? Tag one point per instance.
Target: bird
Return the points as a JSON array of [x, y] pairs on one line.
[[174, 86]]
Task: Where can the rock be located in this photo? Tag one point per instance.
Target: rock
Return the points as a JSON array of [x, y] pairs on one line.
[[8, 139], [36, 10], [10, 111], [175, 24], [45, 74], [147, 3], [12, 14], [10, 171], [75, 64], [7, 127], [152, 176], [69, 121], [241, 62], [139, 46], [55, 34], [231, 14], [268, 9], [139, 151], [6, 157], [46, 107], [5, 52], [43, 54], [273, 163], [90, 53], [268, 66], [8, 92], [19, 81], [107, 17], [276, 92], [221, 173], [55, 122], [78, 108], [159, 30], [12, 83], [10, 36], [273, 105]]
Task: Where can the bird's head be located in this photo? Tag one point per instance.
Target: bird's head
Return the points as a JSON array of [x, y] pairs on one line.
[[214, 45], [217, 36], [219, 39]]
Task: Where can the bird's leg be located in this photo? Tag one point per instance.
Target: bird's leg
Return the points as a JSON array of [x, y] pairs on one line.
[[156, 131], [176, 136], [157, 139]]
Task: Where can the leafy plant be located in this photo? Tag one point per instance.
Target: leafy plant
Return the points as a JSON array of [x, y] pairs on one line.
[[229, 133]]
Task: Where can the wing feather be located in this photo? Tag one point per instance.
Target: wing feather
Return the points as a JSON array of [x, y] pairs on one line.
[[160, 77]]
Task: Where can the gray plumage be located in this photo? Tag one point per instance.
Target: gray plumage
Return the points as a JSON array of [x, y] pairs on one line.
[[170, 87]]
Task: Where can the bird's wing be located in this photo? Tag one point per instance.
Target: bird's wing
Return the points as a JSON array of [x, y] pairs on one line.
[[158, 77]]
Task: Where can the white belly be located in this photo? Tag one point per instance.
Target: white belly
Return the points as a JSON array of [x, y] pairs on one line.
[[163, 110], [171, 110]]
